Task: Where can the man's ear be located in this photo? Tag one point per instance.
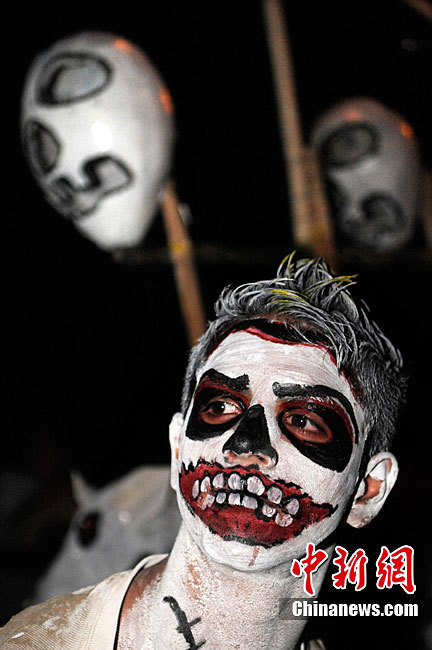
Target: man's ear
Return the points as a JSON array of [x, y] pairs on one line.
[[175, 429], [374, 488]]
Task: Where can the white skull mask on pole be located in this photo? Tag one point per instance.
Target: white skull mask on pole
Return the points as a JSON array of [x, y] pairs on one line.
[[370, 160], [98, 132]]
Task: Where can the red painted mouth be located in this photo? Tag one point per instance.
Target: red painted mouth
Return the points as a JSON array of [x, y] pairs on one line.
[[244, 505]]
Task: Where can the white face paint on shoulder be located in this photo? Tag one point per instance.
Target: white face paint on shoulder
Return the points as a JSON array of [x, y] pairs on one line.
[[269, 451]]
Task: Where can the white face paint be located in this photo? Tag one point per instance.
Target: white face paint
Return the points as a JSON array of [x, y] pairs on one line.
[[269, 451], [98, 133]]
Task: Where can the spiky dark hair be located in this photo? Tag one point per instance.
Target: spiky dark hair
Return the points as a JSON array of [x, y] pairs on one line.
[[317, 306]]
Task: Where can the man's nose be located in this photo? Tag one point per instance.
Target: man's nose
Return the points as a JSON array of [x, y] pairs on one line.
[[250, 442]]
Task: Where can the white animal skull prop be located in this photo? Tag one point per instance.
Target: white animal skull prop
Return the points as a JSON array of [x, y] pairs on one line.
[[370, 160], [113, 528], [98, 132]]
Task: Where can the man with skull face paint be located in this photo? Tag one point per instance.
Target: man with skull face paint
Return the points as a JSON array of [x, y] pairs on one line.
[[289, 406]]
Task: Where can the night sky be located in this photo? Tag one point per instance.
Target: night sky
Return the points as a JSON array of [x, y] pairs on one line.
[[95, 350]]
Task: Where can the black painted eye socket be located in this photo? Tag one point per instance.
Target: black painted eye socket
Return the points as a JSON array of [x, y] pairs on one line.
[[214, 411], [71, 77], [219, 410], [349, 144], [87, 528], [306, 426], [318, 432], [41, 148]]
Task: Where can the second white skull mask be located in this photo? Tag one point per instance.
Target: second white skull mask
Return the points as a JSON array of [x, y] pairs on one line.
[[98, 132], [370, 160]]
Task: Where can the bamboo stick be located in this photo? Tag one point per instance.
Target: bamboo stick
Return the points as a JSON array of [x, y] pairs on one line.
[[426, 207], [311, 223], [182, 259]]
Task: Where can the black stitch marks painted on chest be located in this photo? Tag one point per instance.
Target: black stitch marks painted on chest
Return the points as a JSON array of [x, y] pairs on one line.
[[184, 626]]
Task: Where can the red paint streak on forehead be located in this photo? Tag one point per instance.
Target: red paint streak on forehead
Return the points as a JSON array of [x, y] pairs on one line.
[[255, 331]]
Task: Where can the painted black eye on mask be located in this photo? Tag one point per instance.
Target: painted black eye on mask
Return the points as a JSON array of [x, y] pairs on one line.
[[71, 77], [41, 147], [87, 528], [348, 145]]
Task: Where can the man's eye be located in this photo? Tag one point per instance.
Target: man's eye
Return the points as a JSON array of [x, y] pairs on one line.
[[219, 410], [307, 427]]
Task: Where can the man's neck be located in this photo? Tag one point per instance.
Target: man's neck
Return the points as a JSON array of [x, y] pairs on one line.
[[197, 600]]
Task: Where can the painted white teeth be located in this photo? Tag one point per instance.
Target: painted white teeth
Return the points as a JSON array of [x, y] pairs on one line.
[[255, 485], [274, 494], [195, 489], [206, 501], [234, 499], [249, 502], [268, 511], [205, 484], [292, 506], [219, 480], [283, 520], [235, 482]]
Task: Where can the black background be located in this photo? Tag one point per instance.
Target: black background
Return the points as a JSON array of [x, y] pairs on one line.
[[95, 350]]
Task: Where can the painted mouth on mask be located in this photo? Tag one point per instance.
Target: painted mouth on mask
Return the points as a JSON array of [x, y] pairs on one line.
[[242, 504]]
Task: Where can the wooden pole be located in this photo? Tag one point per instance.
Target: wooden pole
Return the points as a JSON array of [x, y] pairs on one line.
[[426, 207], [309, 211], [182, 259]]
